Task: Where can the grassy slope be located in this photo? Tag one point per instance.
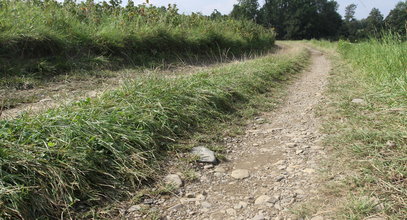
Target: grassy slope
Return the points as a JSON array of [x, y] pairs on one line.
[[49, 38], [88, 152], [371, 137]]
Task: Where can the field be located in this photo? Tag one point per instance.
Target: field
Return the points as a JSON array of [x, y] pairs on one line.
[[163, 82], [369, 138]]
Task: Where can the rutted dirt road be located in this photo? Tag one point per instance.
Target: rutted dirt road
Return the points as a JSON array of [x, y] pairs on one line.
[[273, 167]]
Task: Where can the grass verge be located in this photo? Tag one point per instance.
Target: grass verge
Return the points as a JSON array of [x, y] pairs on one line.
[[97, 149], [369, 138], [48, 38]]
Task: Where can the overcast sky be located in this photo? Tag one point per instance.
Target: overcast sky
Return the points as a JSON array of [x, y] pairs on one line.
[[225, 6]]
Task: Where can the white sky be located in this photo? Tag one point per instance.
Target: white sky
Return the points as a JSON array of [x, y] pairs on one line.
[[225, 6]]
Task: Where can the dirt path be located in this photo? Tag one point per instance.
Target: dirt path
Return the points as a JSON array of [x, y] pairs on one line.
[[275, 165]]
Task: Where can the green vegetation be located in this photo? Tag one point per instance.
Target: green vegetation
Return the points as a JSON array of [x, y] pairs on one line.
[[319, 19], [375, 24], [48, 37], [293, 19], [371, 137], [94, 150]]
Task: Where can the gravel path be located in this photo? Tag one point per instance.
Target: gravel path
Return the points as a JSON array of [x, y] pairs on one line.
[[272, 168]]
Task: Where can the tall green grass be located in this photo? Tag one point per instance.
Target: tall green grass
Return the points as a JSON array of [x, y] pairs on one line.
[[372, 136], [50, 37], [95, 149], [383, 62]]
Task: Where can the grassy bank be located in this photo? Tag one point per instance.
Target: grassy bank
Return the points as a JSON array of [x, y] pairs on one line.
[[370, 137], [92, 151], [44, 38]]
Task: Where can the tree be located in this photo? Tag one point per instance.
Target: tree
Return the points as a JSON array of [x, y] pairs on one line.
[[216, 14], [246, 9], [350, 12], [302, 19], [352, 27], [374, 22], [396, 21]]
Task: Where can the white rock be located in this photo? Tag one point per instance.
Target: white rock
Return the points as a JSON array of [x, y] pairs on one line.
[[205, 155], [173, 179], [219, 169], [240, 174], [231, 211], [241, 205], [309, 170], [358, 101], [206, 205], [134, 208], [259, 217], [262, 200]]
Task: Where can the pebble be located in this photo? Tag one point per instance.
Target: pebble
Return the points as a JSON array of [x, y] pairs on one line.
[[262, 200], [174, 180], [231, 211], [279, 178], [134, 208], [259, 217], [309, 170], [358, 101], [219, 170], [206, 205], [205, 155], [240, 174]]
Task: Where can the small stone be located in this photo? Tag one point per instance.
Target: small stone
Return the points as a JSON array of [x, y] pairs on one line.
[[148, 201], [262, 200], [299, 151], [174, 180], [134, 208], [259, 217], [279, 178], [291, 145], [205, 155], [241, 205], [45, 100], [317, 218], [219, 170], [358, 101], [376, 218], [210, 166], [309, 170], [391, 144], [177, 206], [206, 205], [190, 195], [200, 197], [240, 174], [231, 211]]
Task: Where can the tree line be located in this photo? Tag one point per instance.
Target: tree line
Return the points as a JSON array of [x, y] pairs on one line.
[[307, 19]]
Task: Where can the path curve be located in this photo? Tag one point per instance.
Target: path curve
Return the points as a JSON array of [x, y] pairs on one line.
[[281, 150]]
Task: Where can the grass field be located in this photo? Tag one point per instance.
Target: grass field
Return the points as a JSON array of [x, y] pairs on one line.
[[95, 149], [370, 138], [46, 38]]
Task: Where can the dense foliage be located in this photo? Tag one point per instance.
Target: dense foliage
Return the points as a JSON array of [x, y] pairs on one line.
[[53, 37], [306, 19]]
